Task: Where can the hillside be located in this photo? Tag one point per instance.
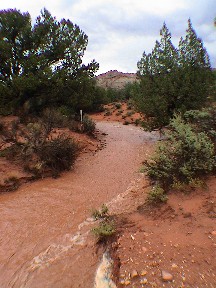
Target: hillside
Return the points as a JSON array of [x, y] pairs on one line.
[[115, 79]]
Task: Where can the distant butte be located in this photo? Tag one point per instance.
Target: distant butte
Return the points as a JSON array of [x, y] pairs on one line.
[[115, 79]]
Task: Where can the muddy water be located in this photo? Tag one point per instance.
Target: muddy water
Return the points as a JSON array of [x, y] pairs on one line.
[[45, 239]]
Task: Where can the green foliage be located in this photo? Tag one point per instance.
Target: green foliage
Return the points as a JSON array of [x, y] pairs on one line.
[[156, 195], [129, 113], [107, 113], [193, 183], [173, 80], [126, 122], [203, 120], [41, 65], [113, 94], [137, 122], [125, 93], [88, 125], [100, 214], [183, 156], [53, 118], [117, 105], [12, 183], [106, 227], [58, 154], [104, 231], [35, 148]]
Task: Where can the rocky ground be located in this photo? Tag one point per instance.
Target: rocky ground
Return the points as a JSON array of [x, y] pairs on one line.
[[173, 245]]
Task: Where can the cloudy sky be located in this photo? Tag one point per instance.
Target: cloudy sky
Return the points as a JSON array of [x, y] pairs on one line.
[[120, 30]]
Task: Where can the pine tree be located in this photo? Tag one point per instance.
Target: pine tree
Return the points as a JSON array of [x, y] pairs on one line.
[[173, 80], [156, 71], [194, 71]]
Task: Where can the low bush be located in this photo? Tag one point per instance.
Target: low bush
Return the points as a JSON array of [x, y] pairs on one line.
[[156, 195], [129, 113], [52, 118], [104, 230], [106, 227], [118, 105], [58, 154], [184, 155], [126, 122], [100, 214], [108, 113], [88, 125], [12, 183], [203, 121], [137, 122]]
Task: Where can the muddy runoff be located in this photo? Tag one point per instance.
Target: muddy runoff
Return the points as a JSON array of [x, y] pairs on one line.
[[45, 225]]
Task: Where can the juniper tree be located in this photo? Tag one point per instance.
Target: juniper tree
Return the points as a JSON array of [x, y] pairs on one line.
[[194, 72], [157, 74], [38, 61], [173, 79]]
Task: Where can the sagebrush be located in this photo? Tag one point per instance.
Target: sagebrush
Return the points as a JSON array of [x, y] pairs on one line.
[[183, 156]]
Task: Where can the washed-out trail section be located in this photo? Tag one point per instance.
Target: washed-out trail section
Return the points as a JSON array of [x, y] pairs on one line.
[[45, 225]]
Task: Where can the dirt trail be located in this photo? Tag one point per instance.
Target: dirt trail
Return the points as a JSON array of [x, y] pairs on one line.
[[43, 227]]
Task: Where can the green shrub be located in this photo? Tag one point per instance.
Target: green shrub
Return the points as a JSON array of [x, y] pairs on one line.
[[126, 123], [156, 195], [58, 154], [185, 155], [74, 125], [88, 125], [12, 183], [53, 118], [118, 105], [104, 230], [100, 214], [203, 121], [108, 113], [137, 122], [13, 152], [106, 227], [129, 113]]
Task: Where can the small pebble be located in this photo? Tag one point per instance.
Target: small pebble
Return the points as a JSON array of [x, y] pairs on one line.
[[134, 274], [166, 276], [127, 282], [143, 272], [143, 281], [144, 249]]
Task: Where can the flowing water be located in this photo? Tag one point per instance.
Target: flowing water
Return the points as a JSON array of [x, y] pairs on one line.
[[45, 239]]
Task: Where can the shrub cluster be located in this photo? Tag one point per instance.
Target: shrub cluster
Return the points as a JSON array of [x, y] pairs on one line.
[[106, 227], [88, 125], [58, 154], [36, 149], [186, 154]]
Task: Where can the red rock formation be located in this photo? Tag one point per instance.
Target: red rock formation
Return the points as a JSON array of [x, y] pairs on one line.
[[115, 79]]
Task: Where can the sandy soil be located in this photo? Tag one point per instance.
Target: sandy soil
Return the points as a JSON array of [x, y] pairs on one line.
[[178, 238], [126, 114]]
